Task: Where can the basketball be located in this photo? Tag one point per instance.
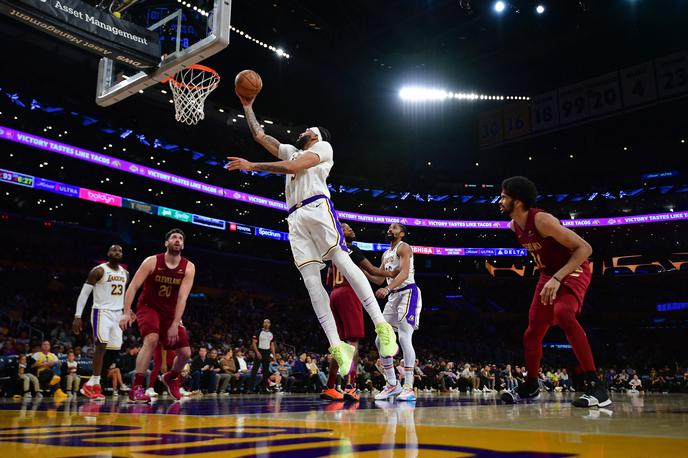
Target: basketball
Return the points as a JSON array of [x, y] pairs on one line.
[[248, 84]]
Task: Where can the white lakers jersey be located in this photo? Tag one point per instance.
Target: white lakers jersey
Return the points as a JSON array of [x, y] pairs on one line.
[[312, 181], [108, 292], [391, 261]]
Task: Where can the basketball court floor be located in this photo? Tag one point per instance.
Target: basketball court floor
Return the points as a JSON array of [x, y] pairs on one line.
[[452, 425]]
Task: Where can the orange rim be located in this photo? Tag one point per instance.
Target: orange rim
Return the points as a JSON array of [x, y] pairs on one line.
[[171, 80]]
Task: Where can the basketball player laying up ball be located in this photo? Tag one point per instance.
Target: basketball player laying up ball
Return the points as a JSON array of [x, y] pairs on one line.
[[314, 231], [561, 256]]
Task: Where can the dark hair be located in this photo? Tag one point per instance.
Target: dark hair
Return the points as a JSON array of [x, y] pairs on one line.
[[325, 134], [174, 231], [403, 229], [520, 188]]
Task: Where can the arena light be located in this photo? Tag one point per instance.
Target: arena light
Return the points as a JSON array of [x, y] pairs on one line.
[[424, 94], [279, 51], [540, 8], [499, 7], [414, 93]]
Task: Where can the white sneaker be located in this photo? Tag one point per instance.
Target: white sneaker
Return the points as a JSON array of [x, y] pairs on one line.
[[224, 394], [124, 388], [184, 392], [115, 393], [407, 394], [27, 395], [388, 392], [151, 393], [39, 395]]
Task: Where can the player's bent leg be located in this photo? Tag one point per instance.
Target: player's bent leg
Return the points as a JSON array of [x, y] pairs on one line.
[[320, 301]]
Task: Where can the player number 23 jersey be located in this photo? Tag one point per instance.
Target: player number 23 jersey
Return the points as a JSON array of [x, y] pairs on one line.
[[108, 292]]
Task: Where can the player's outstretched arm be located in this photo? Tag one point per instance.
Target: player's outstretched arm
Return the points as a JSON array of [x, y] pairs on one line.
[[303, 162], [266, 141], [93, 277], [147, 268], [373, 274]]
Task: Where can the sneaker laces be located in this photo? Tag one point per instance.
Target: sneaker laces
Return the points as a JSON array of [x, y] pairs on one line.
[[384, 335]]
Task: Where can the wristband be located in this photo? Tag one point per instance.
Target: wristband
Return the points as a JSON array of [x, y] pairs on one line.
[[555, 277]]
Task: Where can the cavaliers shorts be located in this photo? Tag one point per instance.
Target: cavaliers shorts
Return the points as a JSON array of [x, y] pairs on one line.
[[570, 294], [348, 313], [152, 321]]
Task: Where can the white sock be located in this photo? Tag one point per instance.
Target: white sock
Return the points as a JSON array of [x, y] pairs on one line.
[[408, 378], [390, 373], [320, 301], [94, 380], [405, 331], [359, 283]]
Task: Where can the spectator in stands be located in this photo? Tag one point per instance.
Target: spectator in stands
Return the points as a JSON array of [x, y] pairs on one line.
[[27, 379], [621, 381], [216, 369], [314, 380], [300, 371], [275, 379], [228, 372], [657, 382], [564, 381], [203, 378], [73, 378], [487, 379], [636, 384], [47, 366], [127, 363], [287, 378], [242, 367], [511, 383], [114, 374]]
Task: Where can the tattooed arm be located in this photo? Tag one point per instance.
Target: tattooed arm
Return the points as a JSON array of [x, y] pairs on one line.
[[269, 143], [303, 162]]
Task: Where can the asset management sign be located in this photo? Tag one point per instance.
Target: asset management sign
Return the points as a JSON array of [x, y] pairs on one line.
[[89, 28]]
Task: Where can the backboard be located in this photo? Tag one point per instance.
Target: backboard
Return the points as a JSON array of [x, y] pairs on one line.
[[189, 33]]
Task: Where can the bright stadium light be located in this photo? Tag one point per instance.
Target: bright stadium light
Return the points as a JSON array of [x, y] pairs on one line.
[[425, 94], [414, 93], [499, 6], [540, 9]]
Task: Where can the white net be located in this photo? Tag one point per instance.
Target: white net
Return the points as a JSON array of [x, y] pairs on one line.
[[190, 87]]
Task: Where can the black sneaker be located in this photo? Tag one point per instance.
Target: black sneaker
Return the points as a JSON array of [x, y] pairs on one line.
[[596, 395], [528, 390]]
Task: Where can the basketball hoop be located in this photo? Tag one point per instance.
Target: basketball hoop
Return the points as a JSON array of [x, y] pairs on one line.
[[190, 87]]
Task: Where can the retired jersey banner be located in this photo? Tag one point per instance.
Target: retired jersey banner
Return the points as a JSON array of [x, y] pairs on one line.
[[89, 28]]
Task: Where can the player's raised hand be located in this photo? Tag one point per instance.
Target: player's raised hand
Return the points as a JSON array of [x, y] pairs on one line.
[[126, 321], [245, 101], [238, 163], [77, 325]]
